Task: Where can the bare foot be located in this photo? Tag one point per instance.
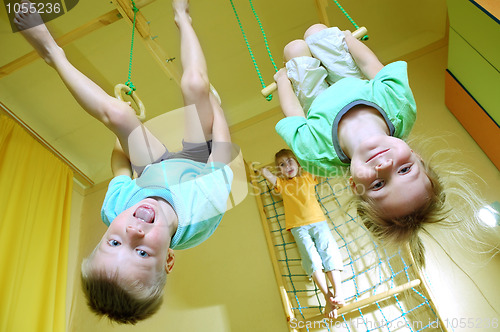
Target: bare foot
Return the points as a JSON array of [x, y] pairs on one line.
[[34, 30], [333, 303], [338, 301], [181, 10], [330, 310]]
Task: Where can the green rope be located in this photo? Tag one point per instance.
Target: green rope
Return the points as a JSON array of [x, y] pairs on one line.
[[129, 82], [263, 35], [365, 37], [250, 48]]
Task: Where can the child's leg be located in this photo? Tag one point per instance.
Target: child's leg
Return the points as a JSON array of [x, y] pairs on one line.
[[336, 281], [206, 119], [118, 116], [311, 262], [329, 46], [305, 72], [195, 85], [330, 305], [222, 149], [331, 260], [310, 259]]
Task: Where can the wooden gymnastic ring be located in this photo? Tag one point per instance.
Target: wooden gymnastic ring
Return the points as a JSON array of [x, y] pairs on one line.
[[119, 88]]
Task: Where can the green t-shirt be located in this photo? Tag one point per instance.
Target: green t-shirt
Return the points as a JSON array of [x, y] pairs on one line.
[[314, 139]]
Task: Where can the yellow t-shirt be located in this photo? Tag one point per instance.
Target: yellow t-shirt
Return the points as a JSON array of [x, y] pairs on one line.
[[299, 199]]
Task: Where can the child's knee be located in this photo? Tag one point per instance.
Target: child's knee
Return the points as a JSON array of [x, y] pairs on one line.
[[117, 113], [313, 29], [195, 83], [296, 48]]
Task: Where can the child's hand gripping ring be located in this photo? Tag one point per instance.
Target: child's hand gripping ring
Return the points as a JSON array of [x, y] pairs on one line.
[[118, 94]]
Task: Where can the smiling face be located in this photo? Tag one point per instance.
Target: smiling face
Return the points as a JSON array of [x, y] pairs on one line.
[[288, 166], [385, 170], [137, 242]]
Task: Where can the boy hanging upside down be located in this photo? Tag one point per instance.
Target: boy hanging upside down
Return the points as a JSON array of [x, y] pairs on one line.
[[178, 199]]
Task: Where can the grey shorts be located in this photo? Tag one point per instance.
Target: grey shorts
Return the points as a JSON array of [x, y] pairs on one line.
[[193, 151]]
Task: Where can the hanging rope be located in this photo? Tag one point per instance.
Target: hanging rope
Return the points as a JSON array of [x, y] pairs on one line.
[[254, 61], [365, 37], [263, 35], [129, 87], [129, 81], [250, 48]]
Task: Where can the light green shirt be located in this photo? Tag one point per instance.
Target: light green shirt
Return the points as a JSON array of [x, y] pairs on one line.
[[198, 193], [314, 139]]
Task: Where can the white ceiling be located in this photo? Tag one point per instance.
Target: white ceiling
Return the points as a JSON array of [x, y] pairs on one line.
[[35, 94]]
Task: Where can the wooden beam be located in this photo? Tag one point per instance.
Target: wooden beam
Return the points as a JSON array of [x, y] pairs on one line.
[[93, 25], [62, 41], [372, 299], [426, 289], [321, 9], [125, 8], [287, 306]]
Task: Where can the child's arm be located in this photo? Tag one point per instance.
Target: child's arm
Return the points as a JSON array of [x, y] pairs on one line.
[[120, 164], [117, 115], [288, 100], [366, 60], [266, 173]]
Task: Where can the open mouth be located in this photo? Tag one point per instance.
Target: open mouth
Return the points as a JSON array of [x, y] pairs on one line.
[[377, 154], [145, 213]]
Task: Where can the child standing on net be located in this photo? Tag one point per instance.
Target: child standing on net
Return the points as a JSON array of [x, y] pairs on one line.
[[305, 219], [344, 108], [178, 199]]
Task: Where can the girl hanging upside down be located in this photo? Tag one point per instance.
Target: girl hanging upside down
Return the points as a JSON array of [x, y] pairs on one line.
[[344, 109]]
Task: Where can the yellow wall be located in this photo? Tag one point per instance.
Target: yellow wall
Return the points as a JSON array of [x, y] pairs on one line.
[[227, 283], [74, 249], [456, 295]]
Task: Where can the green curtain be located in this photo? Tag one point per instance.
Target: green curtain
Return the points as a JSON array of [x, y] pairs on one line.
[[35, 203]]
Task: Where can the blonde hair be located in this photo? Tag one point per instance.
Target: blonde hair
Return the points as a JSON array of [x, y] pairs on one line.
[[286, 153], [405, 229], [110, 296], [461, 218]]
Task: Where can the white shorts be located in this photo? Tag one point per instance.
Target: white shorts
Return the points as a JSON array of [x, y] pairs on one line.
[[331, 62]]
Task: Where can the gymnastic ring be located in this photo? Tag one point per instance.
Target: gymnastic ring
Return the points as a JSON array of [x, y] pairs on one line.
[[118, 94]]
